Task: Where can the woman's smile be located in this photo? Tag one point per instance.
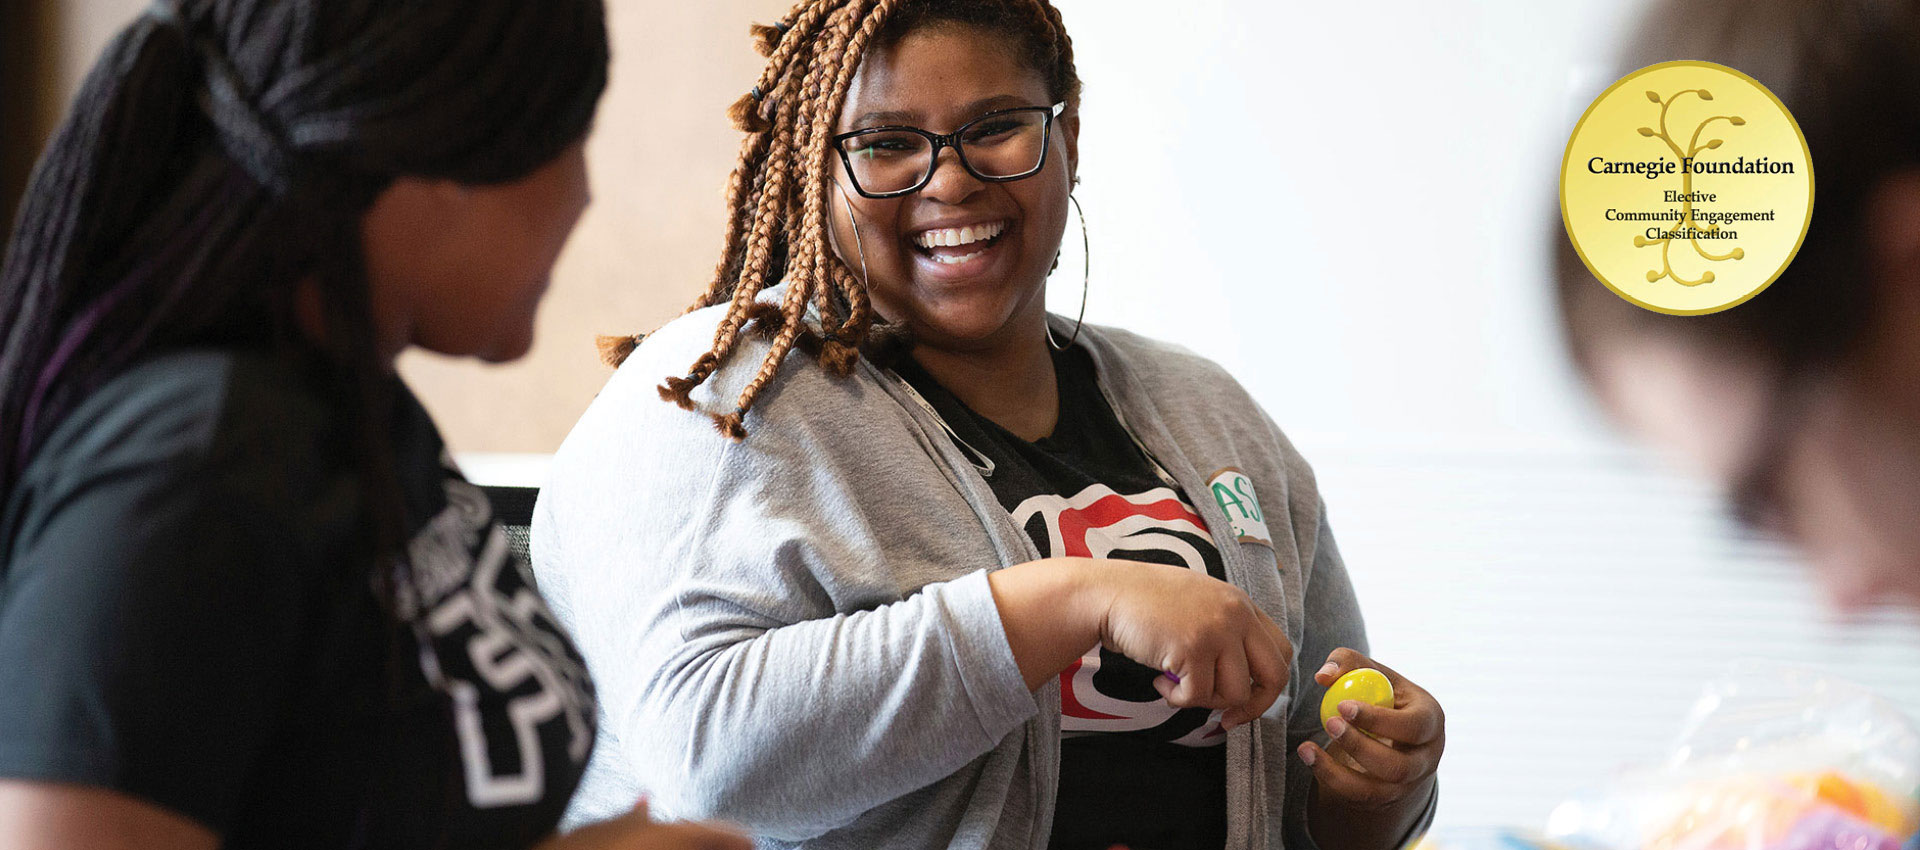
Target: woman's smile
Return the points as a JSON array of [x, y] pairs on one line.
[[963, 259], [953, 252]]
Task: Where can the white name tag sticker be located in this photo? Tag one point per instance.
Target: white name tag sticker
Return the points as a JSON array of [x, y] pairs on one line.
[[1234, 491]]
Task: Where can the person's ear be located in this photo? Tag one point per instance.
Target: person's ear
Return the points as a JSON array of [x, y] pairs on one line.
[[1893, 222], [840, 206], [1070, 128], [1892, 265], [422, 207], [415, 226], [1893, 245]]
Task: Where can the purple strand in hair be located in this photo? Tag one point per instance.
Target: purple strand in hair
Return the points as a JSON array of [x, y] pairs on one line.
[[91, 317]]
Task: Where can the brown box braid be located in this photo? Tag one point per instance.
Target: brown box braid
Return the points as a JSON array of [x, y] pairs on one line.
[[777, 195]]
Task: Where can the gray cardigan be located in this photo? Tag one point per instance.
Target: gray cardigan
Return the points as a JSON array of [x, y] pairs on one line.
[[795, 633]]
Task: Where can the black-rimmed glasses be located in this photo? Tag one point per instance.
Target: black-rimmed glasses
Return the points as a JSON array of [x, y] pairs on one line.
[[998, 147]]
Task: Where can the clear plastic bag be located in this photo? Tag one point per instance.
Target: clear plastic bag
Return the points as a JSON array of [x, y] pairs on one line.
[[1771, 758]]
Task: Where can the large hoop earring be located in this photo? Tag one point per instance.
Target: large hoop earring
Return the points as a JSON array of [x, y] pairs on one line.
[[1086, 273], [858, 243]]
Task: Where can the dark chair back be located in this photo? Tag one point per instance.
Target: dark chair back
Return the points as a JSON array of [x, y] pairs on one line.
[[513, 509]]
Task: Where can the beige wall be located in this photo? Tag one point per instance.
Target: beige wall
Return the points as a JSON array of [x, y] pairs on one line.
[[68, 35], [660, 156], [29, 85]]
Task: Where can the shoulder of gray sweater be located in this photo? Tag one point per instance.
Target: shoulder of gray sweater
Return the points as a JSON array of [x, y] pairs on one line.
[[1175, 375], [1173, 371]]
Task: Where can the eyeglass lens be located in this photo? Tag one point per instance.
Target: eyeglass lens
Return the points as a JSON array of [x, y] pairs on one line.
[[1006, 145]]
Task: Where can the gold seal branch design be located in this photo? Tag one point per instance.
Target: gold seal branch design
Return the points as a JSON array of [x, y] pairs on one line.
[[1618, 198], [1687, 222]]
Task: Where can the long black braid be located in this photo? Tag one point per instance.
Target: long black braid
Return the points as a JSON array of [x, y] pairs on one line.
[[223, 151]]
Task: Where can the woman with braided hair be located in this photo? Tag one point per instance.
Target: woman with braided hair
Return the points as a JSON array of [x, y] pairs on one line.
[[953, 572], [244, 602]]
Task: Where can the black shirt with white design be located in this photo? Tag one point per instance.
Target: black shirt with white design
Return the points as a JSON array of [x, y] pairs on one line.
[[190, 614], [1134, 770]]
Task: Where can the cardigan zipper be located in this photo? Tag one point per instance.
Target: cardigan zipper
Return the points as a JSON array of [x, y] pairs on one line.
[[980, 460]]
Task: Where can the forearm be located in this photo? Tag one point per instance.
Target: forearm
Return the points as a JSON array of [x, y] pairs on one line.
[[874, 688], [844, 713], [636, 830], [1340, 825], [1051, 613], [50, 815]]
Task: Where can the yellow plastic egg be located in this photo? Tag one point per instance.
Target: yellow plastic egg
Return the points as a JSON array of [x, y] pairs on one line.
[[1365, 685]]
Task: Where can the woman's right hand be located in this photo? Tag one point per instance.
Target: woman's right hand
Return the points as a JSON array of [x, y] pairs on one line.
[[1223, 650], [636, 830]]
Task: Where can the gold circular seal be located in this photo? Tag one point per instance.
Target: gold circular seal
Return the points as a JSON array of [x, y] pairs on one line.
[[1687, 188]]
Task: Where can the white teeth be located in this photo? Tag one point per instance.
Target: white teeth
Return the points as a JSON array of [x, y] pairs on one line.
[[955, 237], [945, 260]]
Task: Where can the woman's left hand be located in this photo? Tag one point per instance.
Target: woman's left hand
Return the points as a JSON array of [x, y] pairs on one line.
[[1390, 772]]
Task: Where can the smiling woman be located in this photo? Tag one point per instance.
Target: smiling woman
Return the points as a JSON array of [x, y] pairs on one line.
[[967, 583], [1799, 403]]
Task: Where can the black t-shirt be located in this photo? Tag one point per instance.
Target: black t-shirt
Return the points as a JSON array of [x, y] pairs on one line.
[[190, 613], [1133, 769]]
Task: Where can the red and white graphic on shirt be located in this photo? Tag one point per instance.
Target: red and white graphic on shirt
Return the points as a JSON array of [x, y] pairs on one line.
[[1094, 524]]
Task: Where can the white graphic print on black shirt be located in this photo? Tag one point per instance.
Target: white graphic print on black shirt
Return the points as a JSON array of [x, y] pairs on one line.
[[293, 710], [496, 651]]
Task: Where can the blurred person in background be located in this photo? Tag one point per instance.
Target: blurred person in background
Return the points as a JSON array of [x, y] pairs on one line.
[[1803, 403], [245, 601]]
